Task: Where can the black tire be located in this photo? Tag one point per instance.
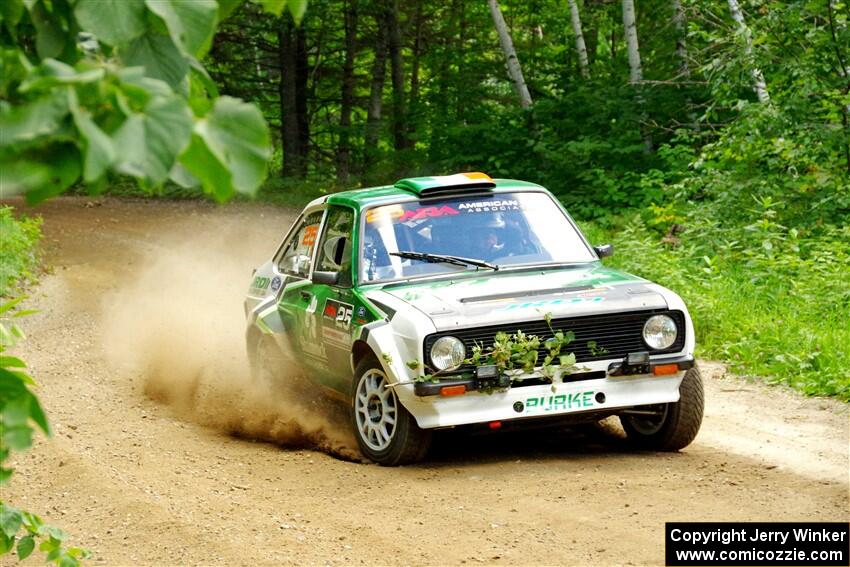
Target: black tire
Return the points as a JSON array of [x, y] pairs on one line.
[[678, 423], [407, 443]]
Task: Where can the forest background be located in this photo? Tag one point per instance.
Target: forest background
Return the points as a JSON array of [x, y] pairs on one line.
[[707, 139]]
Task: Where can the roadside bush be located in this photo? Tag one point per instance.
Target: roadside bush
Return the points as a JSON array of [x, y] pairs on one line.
[[19, 238], [770, 300]]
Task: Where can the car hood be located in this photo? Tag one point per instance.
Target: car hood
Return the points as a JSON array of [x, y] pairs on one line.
[[504, 297]]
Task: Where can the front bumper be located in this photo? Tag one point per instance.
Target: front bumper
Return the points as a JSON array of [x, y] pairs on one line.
[[601, 395]]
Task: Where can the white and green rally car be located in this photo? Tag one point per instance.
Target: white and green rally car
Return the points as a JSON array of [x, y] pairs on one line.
[[417, 303]]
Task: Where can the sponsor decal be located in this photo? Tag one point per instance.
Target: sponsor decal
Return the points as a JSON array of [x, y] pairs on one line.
[[338, 314], [276, 283], [260, 282], [361, 311], [310, 233], [560, 402], [398, 214], [490, 206]]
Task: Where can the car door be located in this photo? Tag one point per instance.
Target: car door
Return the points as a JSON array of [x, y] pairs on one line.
[[336, 302], [297, 304]]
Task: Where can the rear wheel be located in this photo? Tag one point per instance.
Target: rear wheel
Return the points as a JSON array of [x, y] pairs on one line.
[[668, 427], [386, 432], [271, 367]]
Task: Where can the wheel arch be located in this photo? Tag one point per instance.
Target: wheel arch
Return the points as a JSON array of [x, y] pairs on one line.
[[360, 350]]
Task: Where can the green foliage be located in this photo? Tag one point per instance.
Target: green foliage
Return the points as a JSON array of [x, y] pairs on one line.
[[20, 415], [770, 299], [518, 353], [18, 256], [116, 88]]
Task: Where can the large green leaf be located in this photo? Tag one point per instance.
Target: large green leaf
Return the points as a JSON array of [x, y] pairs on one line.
[[11, 12], [147, 144], [232, 138], [116, 22], [10, 520], [62, 163], [297, 8], [159, 56], [25, 547], [51, 73], [190, 24], [50, 37], [227, 7], [207, 168], [14, 67], [99, 151], [26, 122]]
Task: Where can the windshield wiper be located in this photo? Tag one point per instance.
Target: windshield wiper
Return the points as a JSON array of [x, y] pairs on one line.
[[443, 259]]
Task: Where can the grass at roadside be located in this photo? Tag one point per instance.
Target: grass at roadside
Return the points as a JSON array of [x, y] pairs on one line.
[[19, 237], [772, 305]]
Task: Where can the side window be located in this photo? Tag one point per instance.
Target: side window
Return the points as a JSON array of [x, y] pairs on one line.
[[298, 252], [335, 250]]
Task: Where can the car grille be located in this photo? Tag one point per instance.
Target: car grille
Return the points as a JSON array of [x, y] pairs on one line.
[[618, 333]]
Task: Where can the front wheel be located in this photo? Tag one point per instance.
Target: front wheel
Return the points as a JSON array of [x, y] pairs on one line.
[[668, 427], [386, 432]]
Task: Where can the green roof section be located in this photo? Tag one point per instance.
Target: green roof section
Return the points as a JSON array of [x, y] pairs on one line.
[[411, 188]]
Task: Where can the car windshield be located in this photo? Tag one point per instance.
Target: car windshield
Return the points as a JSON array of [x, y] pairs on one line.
[[406, 240]]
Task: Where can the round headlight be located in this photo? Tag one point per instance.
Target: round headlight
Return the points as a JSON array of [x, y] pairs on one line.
[[447, 353], [659, 332]]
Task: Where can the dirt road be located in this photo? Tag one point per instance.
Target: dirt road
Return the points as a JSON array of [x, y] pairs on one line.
[[163, 455]]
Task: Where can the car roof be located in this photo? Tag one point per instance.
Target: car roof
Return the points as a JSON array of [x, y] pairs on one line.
[[420, 188]]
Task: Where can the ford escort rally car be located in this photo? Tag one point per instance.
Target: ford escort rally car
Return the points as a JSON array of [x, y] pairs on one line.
[[463, 300]]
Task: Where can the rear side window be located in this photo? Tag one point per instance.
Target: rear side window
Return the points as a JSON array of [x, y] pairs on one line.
[[298, 252], [335, 250]]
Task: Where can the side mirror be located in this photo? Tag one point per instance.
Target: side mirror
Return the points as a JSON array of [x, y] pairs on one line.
[[604, 250], [326, 278]]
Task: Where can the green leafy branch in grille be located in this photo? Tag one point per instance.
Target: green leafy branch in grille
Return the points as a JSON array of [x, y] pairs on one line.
[[519, 352]]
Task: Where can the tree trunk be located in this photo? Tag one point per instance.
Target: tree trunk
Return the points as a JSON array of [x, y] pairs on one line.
[[759, 84], [635, 71], [680, 25], [343, 154], [413, 106], [581, 48], [630, 29], [514, 69], [397, 76], [844, 73], [288, 109], [376, 94], [302, 73], [681, 45]]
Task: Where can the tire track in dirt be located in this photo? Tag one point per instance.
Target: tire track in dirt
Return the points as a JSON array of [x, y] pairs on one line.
[[143, 482]]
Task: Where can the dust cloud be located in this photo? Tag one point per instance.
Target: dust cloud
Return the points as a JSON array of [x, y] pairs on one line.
[[180, 324]]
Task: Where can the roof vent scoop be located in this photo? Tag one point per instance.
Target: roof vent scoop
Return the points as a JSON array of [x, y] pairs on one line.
[[458, 182]]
